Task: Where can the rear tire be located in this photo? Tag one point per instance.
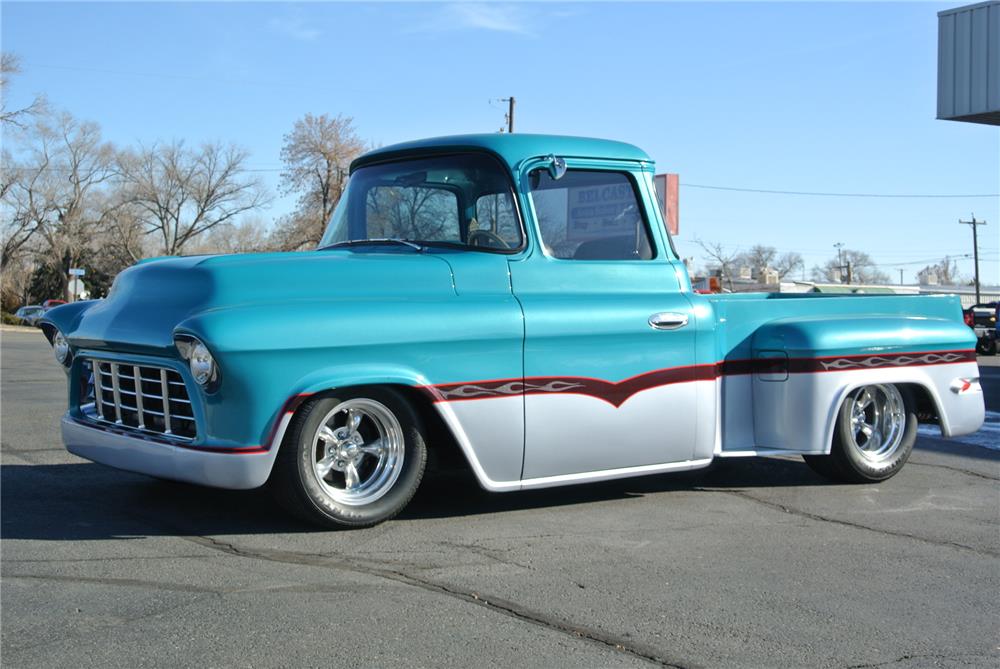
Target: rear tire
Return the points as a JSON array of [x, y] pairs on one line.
[[873, 437], [353, 460]]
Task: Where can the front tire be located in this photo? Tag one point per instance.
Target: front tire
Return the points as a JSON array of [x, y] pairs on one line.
[[353, 460], [986, 346], [873, 436]]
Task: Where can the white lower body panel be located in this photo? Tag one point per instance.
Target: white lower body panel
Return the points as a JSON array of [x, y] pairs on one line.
[[798, 414]]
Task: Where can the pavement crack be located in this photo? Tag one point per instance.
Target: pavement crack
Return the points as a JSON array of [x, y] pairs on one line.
[[494, 604], [907, 658], [969, 472], [489, 553], [847, 523]]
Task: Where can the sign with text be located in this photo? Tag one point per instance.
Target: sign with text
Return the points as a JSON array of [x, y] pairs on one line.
[[594, 210]]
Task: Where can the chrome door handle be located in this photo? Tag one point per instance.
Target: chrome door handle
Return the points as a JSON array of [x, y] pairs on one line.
[[668, 320]]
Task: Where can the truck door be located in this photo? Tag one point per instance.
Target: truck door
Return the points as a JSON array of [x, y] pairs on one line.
[[609, 353]]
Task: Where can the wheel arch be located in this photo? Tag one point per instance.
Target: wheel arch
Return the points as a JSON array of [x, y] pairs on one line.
[[446, 449], [922, 391]]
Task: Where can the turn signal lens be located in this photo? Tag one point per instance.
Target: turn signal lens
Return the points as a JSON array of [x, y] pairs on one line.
[[60, 348]]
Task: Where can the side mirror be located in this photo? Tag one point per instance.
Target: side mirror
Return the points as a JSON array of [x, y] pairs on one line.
[[557, 167]]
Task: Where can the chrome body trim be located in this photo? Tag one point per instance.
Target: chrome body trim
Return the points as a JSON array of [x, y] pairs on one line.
[[608, 474], [164, 394], [112, 447], [668, 320], [95, 381], [125, 394], [116, 392], [138, 398]]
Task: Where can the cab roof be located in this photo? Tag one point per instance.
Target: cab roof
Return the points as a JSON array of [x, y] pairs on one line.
[[511, 148]]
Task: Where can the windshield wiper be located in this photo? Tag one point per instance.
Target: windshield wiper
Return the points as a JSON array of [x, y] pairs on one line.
[[378, 240]]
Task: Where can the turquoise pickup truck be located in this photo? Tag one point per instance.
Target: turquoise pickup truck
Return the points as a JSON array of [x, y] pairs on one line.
[[515, 299]]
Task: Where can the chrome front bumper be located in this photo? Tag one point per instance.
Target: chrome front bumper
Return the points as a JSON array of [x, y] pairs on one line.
[[219, 469]]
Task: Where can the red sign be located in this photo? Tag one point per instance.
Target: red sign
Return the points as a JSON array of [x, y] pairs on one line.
[[667, 192]]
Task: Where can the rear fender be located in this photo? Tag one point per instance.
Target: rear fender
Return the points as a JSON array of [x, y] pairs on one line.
[[821, 361]]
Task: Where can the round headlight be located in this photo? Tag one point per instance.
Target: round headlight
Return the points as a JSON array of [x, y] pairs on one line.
[[202, 364], [60, 348]]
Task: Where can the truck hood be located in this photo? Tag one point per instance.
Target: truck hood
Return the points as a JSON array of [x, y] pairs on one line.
[[149, 300]]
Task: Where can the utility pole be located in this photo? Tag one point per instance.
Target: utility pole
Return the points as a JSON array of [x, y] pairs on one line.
[[510, 113], [840, 259], [975, 248], [900, 277]]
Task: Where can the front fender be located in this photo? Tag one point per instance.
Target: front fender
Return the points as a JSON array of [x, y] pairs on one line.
[[343, 376], [65, 317]]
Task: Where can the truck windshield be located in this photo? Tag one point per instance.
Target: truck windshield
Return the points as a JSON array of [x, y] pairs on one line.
[[459, 201]]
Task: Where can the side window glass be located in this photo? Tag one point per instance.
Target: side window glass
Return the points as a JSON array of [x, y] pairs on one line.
[[412, 212], [590, 215], [496, 222]]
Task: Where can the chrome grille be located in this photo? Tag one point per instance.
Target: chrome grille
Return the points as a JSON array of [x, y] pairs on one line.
[[142, 397]]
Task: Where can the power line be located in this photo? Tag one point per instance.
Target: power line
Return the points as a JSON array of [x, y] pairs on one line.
[[821, 194], [727, 188], [824, 251], [961, 256]]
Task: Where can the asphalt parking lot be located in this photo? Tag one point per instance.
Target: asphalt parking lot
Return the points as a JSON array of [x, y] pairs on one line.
[[752, 563]]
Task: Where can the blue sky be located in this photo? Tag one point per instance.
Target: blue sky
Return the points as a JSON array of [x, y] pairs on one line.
[[801, 97]]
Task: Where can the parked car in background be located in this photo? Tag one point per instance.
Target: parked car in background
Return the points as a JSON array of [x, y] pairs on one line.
[[49, 304], [30, 313], [982, 318]]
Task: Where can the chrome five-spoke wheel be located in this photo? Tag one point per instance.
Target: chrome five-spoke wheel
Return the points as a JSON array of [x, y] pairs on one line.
[[358, 451], [351, 460], [874, 433], [878, 420]]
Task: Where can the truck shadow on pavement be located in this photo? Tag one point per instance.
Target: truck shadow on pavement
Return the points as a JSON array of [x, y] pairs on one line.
[[85, 501]]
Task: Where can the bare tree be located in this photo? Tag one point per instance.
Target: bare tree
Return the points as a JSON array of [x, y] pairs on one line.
[[10, 66], [410, 212], [863, 268], [945, 271], [15, 281], [724, 260], [180, 194], [123, 236], [759, 258], [317, 155], [788, 263], [23, 206], [247, 236], [79, 165], [54, 188]]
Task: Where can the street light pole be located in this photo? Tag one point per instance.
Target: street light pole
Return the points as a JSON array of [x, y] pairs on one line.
[[975, 248], [840, 260]]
